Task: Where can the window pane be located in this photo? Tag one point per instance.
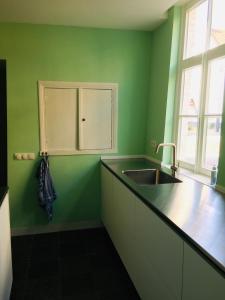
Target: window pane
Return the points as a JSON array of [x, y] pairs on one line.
[[188, 135], [218, 24], [212, 144], [216, 83], [191, 91], [196, 28]]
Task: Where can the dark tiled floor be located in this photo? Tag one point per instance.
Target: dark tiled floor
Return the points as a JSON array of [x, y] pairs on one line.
[[73, 265]]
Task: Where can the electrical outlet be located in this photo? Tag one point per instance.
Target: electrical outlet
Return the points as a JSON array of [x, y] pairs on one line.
[[153, 143], [24, 156]]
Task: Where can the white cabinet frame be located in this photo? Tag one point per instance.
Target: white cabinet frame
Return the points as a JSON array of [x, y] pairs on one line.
[[42, 85]]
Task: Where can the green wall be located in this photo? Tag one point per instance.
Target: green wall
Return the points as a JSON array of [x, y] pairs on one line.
[[159, 83], [143, 63], [40, 52], [175, 21]]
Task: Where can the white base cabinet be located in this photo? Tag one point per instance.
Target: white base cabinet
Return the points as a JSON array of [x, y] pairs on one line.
[[200, 280], [161, 265], [5, 251], [150, 251]]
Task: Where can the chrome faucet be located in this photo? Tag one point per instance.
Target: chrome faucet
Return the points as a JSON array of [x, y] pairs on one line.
[[173, 167]]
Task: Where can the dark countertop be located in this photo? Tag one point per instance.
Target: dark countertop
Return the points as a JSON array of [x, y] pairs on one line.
[[3, 191], [194, 210]]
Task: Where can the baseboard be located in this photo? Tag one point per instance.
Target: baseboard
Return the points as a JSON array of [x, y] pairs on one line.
[[220, 188], [55, 228]]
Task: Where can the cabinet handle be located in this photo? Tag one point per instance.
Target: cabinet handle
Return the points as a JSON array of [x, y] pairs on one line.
[[83, 119]]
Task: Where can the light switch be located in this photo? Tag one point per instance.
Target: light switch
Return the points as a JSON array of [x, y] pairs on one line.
[[18, 156], [30, 156], [24, 156]]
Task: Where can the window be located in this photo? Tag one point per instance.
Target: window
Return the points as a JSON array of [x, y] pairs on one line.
[[78, 118], [201, 85]]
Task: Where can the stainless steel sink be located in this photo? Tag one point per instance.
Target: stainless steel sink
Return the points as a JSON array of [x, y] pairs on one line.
[[150, 177]]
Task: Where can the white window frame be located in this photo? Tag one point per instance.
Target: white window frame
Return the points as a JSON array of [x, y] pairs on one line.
[[78, 86], [202, 59]]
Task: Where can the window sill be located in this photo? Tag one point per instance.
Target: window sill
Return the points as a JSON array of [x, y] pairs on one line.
[[198, 177]]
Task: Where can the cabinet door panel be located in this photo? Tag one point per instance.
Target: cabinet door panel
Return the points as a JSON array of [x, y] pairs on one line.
[[95, 119], [117, 216], [146, 280], [60, 116], [200, 280], [108, 209], [161, 247], [124, 221]]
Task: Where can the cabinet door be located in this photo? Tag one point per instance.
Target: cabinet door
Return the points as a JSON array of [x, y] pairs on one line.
[[200, 280], [59, 120], [5, 252], [95, 119], [117, 214], [124, 201], [108, 209], [161, 252]]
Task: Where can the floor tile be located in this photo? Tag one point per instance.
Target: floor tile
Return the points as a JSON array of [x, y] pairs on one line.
[[85, 296], [46, 238], [44, 251], [18, 289], [21, 248], [78, 264], [43, 268], [100, 244], [48, 288], [20, 269], [106, 261], [72, 248], [118, 295], [77, 285], [22, 241]]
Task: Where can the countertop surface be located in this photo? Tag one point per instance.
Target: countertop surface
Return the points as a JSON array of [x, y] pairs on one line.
[[194, 210], [3, 191]]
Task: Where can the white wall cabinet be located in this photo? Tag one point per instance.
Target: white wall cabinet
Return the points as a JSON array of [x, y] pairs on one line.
[[78, 118], [200, 280], [160, 264], [5, 251]]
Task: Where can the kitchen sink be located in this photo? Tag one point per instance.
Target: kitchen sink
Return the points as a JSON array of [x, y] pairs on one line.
[[150, 177]]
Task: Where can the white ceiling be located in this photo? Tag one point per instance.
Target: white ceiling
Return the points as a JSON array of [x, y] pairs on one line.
[[116, 14]]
